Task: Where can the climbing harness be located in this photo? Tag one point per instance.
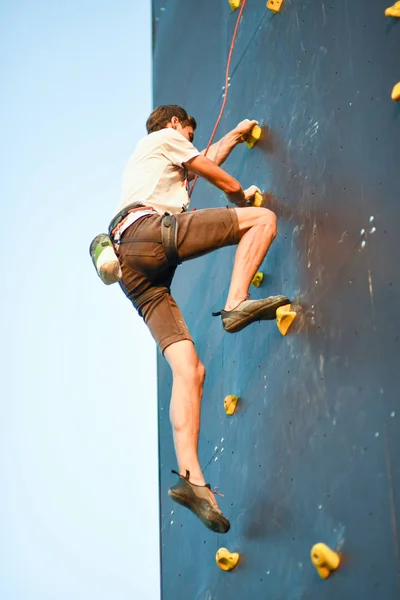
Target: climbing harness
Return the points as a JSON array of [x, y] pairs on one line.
[[169, 239], [123, 214], [102, 250]]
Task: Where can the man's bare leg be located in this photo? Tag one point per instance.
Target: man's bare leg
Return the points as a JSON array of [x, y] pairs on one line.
[[187, 390], [191, 492], [258, 226]]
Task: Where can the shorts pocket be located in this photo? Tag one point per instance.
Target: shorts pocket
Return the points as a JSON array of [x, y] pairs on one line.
[[144, 256], [146, 248]]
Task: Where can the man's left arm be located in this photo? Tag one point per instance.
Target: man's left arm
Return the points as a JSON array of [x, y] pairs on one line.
[[220, 151]]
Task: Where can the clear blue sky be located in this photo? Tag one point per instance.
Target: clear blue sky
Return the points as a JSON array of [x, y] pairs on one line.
[[78, 427]]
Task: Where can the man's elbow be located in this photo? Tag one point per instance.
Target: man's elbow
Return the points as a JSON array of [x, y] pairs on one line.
[[232, 187]]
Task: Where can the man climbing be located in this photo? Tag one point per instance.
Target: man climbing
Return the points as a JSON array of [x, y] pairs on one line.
[[153, 233]]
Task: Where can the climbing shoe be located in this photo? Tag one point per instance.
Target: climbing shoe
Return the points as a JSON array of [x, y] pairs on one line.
[[249, 311], [198, 499]]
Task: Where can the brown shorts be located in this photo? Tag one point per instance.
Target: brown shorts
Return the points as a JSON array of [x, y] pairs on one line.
[[146, 275]]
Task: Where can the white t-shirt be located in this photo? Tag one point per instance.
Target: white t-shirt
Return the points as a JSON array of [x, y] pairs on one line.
[[155, 176]]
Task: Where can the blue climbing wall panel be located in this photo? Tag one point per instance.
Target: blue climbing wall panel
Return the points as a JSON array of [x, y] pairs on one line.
[[313, 452]]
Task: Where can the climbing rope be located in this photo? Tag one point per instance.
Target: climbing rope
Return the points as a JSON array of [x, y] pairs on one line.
[[228, 66]]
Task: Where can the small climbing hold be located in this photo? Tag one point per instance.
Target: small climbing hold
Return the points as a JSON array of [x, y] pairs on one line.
[[257, 199], [230, 403], [285, 317], [393, 11], [226, 560], [254, 136], [396, 92], [234, 4], [274, 5], [324, 560], [257, 279]]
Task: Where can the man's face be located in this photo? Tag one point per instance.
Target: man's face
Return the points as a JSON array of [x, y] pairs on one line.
[[186, 131]]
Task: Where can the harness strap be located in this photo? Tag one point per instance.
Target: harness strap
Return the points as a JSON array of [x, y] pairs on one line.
[[169, 234], [169, 239], [121, 215]]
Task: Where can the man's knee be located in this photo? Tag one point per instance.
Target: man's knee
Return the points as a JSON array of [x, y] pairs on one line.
[[271, 223], [201, 372], [195, 372], [256, 217], [185, 363], [267, 219]]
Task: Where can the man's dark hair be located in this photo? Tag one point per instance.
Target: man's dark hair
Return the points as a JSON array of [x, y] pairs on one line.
[[162, 115]]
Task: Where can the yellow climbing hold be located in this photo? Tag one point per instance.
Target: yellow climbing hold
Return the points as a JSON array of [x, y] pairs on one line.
[[274, 5], [230, 404], [285, 317], [257, 279], [396, 92], [257, 199], [254, 136], [234, 4], [393, 11], [226, 560], [324, 560]]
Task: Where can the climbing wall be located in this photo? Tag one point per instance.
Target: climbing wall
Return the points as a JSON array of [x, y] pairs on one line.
[[312, 453]]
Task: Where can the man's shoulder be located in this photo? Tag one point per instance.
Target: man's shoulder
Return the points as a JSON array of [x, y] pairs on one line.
[[156, 138], [165, 134], [148, 144], [166, 142]]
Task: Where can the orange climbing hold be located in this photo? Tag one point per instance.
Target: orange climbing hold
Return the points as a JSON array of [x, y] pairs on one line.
[[226, 560], [285, 317], [234, 4], [274, 5], [230, 404], [324, 560], [396, 92], [257, 279], [393, 11], [254, 136]]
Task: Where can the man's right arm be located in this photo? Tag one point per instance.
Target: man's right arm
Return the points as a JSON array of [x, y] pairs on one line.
[[209, 170], [206, 168]]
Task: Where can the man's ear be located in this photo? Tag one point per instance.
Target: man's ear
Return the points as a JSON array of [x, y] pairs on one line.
[[174, 122]]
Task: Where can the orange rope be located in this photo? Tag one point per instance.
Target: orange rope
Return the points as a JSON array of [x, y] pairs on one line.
[[228, 66]]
